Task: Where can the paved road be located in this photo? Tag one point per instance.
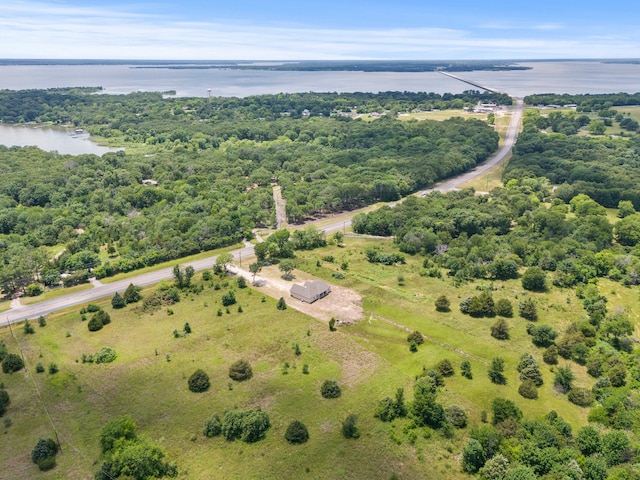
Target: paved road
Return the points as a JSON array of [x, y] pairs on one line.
[[43, 308]]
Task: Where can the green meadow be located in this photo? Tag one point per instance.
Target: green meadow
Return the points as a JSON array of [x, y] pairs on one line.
[[370, 360]]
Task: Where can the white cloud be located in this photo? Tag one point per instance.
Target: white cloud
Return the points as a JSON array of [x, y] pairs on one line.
[[44, 30]]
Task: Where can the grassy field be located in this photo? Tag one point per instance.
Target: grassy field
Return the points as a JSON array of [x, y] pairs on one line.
[[370, 360], [440, 115]]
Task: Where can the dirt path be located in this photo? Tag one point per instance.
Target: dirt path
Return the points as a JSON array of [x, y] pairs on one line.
[[281, 207]]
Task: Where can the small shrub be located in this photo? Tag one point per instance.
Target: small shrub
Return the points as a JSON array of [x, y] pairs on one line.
[[12, 363], [465, 369], [240, 371], [305, 369], [45, 448], [282, 305], [528, 390], [581, 397], [228, 299], [415, 337], [39, 368], [207, 276], [456, 416], [28, 328], [296, 433], [105, 355], [5, 400], [349, 428], [118, 301], [528, 309], [330, 389], [42, 322], [445, 368], [443, 304], [212, 426], [550, 355], [33, 290], [332, 325], [504, 308], [46, 463], [500, 330], [53, 368], [199, 381], [94, 324]]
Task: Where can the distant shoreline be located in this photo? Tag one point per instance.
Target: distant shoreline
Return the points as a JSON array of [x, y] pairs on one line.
[[406, 66]]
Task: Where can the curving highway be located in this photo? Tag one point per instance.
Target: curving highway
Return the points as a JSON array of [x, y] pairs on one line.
[[43, 308]]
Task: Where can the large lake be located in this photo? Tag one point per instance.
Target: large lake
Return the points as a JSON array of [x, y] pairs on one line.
[[544, 77]]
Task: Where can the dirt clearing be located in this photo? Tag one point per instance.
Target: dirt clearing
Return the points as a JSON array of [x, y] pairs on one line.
[[342, 303]]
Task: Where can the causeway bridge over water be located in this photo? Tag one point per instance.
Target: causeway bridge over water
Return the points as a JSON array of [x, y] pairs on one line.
[[470, 82]]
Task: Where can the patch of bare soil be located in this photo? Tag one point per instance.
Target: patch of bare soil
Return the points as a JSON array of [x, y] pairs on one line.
[[342, 303]]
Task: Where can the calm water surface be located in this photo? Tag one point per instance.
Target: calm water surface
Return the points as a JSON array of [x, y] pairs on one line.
[[50, 139], [574, 77], [544, 77]]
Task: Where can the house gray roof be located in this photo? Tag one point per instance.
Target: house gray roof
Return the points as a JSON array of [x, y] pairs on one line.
[[311, 290]]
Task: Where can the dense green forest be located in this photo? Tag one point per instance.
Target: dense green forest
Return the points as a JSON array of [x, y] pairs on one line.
[[214, 163], [607, 169]]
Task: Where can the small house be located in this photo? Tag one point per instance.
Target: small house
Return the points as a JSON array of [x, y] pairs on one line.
[[311, 291]]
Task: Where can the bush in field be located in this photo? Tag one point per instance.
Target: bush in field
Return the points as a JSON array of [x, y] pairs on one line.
[[456, 416], [496, 371], [504, 308], [199, 381], [500, 330], [534, 279], [94, 324], [212, 426], [118, 301], [248, 426], [330, 389], [550, 355], [12, 363], [349, 428], [445, 368], [118, 429], [443, 304], [282, 305], [240, 371], [43, 454], [132, 294], [5, 400], [228, 299], [528, 310], [415, 337], [465, 369], [103, 316], [528, 390], [296, 433], [581, 396]]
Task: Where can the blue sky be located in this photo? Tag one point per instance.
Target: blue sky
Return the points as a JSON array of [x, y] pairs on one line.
[[331, 29]]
